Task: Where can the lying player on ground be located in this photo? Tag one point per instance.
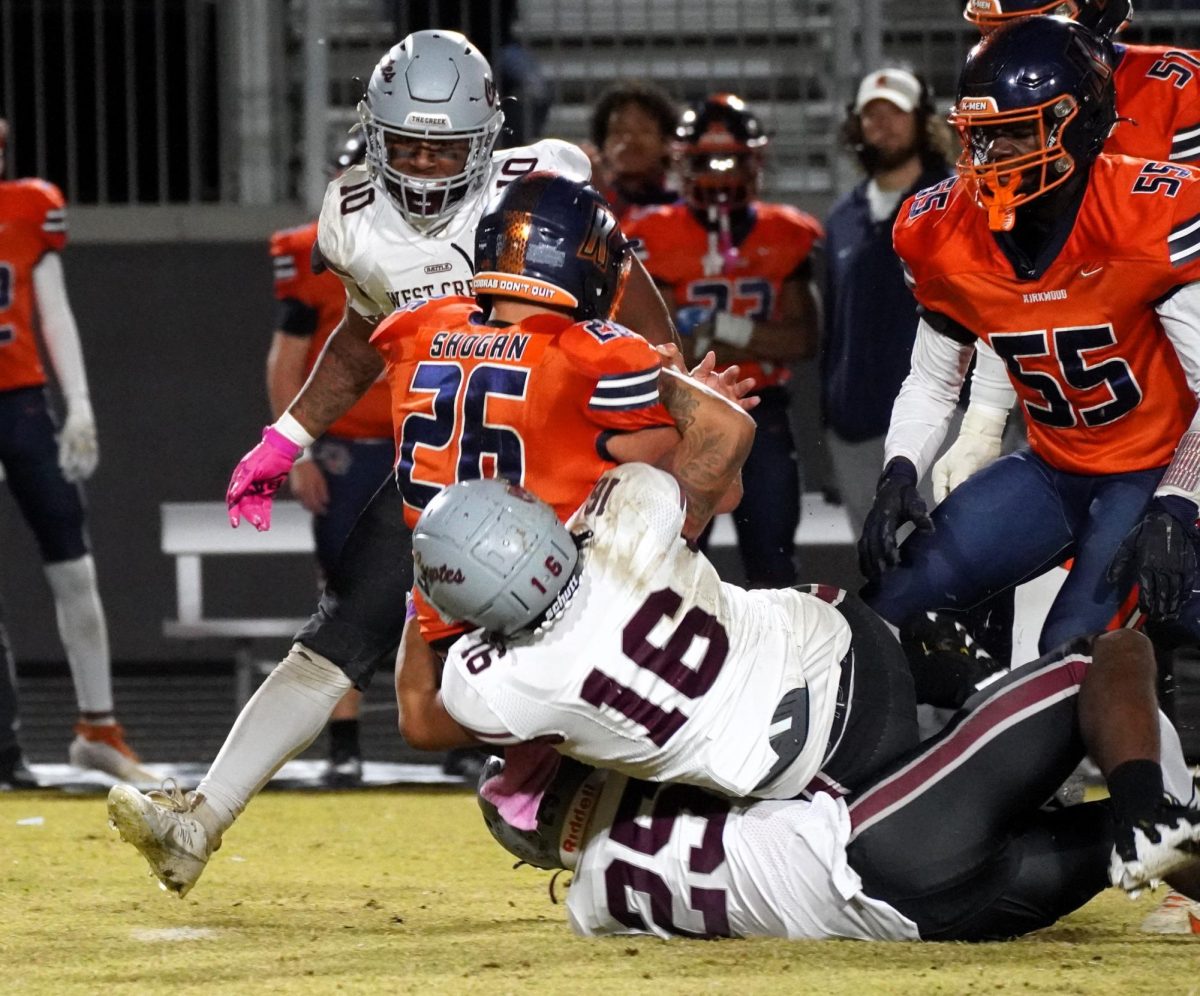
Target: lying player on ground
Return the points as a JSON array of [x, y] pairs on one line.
[[948, 844]]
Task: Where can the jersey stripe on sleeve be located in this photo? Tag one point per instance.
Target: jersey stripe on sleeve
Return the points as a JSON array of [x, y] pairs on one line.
[[1185, 145], [1184, 241], [285, 267], [55, 222], [626, 391]]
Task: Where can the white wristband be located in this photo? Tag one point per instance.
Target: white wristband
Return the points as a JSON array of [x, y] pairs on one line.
[[290, 429], [983, 420], [735, 330]]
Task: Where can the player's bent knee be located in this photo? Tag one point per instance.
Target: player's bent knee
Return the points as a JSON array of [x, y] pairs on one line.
[[1123, 648], [307, 670]]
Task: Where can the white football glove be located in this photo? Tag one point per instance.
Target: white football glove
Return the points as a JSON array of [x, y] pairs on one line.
[[78, 450], [978, 444]]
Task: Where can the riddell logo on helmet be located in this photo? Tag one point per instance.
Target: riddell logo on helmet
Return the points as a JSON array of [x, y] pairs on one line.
[[581, 811], [974, 105]]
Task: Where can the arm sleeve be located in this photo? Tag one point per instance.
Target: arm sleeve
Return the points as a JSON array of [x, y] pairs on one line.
[[1180, 317], [58, 327], [927, 398], [990, 384], [294, 317]]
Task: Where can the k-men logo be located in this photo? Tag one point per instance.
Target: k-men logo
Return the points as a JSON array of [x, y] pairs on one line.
[[977, 105], [595, 245]]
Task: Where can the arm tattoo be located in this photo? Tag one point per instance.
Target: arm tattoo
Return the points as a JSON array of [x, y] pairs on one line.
[[347, 366], [707, 459]]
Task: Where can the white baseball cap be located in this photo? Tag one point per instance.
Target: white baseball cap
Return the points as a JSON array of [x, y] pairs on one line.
[[896, 86]]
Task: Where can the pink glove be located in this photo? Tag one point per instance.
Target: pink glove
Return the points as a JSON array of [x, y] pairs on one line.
[[258, 476]]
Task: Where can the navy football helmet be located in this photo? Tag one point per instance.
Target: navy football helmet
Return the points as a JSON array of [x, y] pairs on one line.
[[1035, 104], [553, 241], [1104, 17], [719, 145], [563, 814]]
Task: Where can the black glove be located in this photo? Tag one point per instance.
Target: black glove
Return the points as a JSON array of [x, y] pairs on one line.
[[1160, 554], [897, 501]]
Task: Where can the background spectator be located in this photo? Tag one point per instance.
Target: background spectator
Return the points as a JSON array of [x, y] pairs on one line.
[[870, 315], [633, 125]]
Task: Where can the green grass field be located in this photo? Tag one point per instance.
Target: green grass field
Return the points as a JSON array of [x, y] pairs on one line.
[[404, 891]]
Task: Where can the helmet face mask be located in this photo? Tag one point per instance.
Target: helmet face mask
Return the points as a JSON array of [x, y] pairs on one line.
[[430, 106], [564, 812], [719, 147], [1105, 17], [1002, 184], [1035, 106], [722, 178], [554, 242]]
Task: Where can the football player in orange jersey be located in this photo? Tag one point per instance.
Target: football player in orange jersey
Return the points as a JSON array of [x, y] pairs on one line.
[[44, 473], [1074, 275], [737, 269], [1158, 103], [549, 399], [354, 457], [528, 380]]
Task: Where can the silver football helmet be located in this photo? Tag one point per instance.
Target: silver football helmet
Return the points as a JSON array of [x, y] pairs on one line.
[[433, 87], [563, 815], [491, 554]]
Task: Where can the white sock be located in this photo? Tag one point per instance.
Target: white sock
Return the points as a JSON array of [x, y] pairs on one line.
[[1177, 779], [83, 631], [283, 717]]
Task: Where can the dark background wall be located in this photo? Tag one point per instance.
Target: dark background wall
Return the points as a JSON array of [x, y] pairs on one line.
[[175, 338]]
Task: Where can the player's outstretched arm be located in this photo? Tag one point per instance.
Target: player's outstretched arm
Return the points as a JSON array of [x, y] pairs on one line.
[[715, 439], [348, 365], [424, 722], [981, 436], [1162, 552]]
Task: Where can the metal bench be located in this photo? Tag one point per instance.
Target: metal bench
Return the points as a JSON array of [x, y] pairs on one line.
[[193, 530]]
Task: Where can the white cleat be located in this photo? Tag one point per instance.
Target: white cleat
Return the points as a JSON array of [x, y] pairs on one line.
[[1174, 915], [1145, 854], [102, 747], [160, 824]]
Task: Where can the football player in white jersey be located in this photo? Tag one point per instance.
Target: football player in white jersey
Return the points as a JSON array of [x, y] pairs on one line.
[[397, 228], [634, 655], [948, 844]]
